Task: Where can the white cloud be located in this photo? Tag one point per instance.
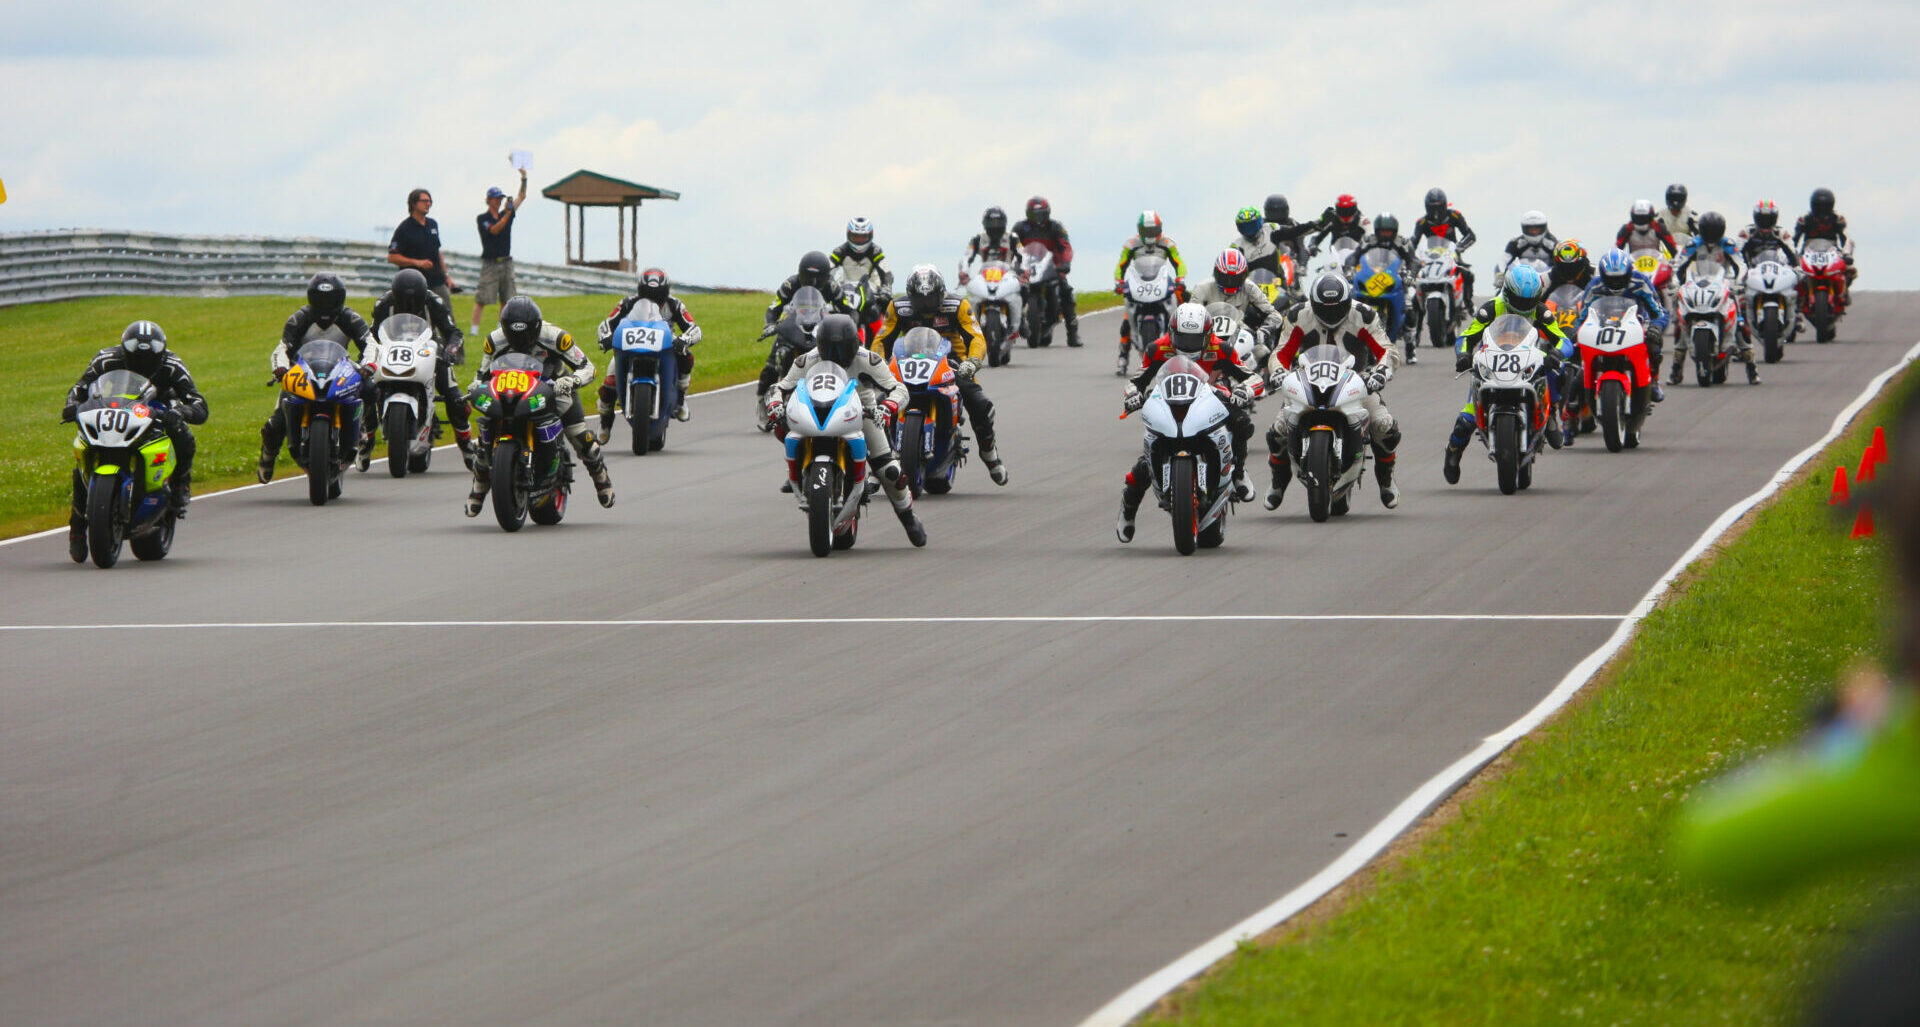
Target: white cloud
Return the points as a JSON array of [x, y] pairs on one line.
[[779, 122]]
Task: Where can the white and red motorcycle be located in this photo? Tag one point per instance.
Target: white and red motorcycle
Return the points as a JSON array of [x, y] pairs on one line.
[[1190, 449], [996, 293], [1148, 288]]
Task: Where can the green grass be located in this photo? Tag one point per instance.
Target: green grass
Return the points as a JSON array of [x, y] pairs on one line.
[[225, 342], [1549, 896]]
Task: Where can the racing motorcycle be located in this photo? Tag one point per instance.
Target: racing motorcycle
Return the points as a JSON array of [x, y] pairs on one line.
[[995, 289], [866, 297], [824, 434], [1190, 450], [1442, 289], [404, 358], [1563, 304], [1771, 285], [1823, 287], [1379, 280], [1323, 404], [1511, 408], [792, 336], [1710, 316], [1043, 295], [532, 468], [1148, 288], [126, 466], [927, 433], [646, 370], [322, 390], [1653, 263], [1613, 352]]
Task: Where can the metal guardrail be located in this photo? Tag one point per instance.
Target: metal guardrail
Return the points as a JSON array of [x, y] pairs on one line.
[[36, 267]]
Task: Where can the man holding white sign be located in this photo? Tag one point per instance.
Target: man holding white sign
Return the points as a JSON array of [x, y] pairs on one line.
[[496, 245]]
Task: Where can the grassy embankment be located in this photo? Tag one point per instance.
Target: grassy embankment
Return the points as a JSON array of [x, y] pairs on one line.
[[1545, 893]]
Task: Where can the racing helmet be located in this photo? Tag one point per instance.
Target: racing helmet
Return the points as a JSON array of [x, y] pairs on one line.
[[1148, 226], [410, 292], [326, 297], [1039, 211], [1821, 201], [1436, 204], [1713, 227], [1642, 213], [860, 236], [1766, 214], [1230, 271], [1190, 329], [1676, 197], [1570, 254], [814, 268], [653, 285], [1533, 224], [1276, 209], [925, 289], [1346, 208], [145, 346], [838, 339], [1386, 227], [1616, 271], [1247, 222], [1523, 290], [1331, 298], [995, 222], [520, 323]]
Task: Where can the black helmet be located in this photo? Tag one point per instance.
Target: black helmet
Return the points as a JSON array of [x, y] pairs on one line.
[[145, 345], [1436, 204], [1822, 201], [653, 285], [1331, 298], [410, 292], [814, 268], [326, 297], [520, 323], [994, 221], [1766, 214], [838, 339], [1039, 211], [1277, 209], [1713, 227], [1386, 227], [925, 290], [1676, 197]]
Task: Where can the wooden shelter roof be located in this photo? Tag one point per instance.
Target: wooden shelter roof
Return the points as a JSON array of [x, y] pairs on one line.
[[592, 189]]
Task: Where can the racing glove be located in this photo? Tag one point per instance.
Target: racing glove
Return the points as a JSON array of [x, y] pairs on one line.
[[967, 370], [1134, 400], [1462, 361], [1243, 395], [69, 413], [883, 411], [605, 333], [1377, 377]]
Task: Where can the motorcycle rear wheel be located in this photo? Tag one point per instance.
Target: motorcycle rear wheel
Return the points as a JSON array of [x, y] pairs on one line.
[[1506, 451], [509, 500], [913, 429], [103, 533], [1186, 506], [819, 489], [320, 460], [1439, 325], [399, 429], [1613, 415], [1318, 465]]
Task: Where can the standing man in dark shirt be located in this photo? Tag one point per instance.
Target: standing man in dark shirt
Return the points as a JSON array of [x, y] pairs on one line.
[[496, 249], [416, 244]]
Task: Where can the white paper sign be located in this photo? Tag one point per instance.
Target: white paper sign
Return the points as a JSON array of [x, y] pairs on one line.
[[521, 160]]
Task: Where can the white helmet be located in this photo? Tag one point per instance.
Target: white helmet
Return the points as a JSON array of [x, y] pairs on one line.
[[1190, 329], [860, 236], [1533, 223]]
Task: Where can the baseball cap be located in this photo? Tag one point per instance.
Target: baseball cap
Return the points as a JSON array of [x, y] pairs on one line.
[[495, 193]]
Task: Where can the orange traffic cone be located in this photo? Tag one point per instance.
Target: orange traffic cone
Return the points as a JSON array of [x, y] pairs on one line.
[[1840, 496], [1878, 447], [1863, 524], [1869, 464]]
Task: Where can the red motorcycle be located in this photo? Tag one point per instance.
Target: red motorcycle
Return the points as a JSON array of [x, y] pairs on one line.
[[1618, 376], [1823, 286]]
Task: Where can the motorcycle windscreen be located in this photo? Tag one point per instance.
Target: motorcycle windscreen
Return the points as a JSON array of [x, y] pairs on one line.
[[1149, 266], [1508, 332], [121, 386], [405, 329], [807, 308]]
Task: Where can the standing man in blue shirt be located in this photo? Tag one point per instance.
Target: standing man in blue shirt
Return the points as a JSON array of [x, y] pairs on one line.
[[496, 249], [416, 244]]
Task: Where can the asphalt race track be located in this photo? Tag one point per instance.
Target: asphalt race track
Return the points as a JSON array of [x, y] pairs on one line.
[[274, 817]]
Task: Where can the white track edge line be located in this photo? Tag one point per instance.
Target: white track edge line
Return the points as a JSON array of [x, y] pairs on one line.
[[50, 532], [1129, 1004], [708, 622]]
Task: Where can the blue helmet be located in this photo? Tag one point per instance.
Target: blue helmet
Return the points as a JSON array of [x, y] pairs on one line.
[[1616, 270], [1524, 289]]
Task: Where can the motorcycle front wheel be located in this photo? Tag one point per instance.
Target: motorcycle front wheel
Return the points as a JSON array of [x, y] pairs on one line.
[[509, 500], [640, 415], [319, 460], [1506, 451], [819, 489], [399, 429], [1612, 415], [103, 529], [1318, 468], [1186, 507]]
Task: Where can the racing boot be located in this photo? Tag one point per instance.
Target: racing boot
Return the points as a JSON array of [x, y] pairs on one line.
[[1555, 433], [182, 494], [902, 500], [1282, 474], [269, 451], [1073, 334], [363, 456], [463, 438], [602, 482], [916, 532], [1679, 372], [996, 468], [1242, 490], [680, 407], [1383, 473], [1753, 373], [606, 419], [477, 495], [1130, 496], [1126, 343], [1450, 464], [760, 418]]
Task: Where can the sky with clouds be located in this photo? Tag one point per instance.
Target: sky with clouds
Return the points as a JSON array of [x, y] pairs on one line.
[[777, 122]]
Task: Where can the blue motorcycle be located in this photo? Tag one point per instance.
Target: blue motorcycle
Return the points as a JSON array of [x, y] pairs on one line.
[[1380, 279], [646, 371], [321, 392]]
